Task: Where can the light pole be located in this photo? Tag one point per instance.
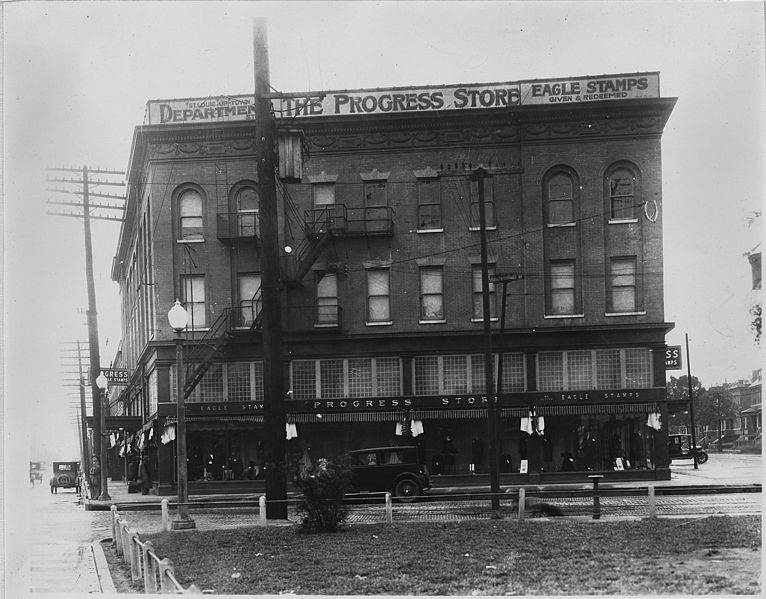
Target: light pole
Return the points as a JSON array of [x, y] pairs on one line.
[[178, 317], [102, 383]]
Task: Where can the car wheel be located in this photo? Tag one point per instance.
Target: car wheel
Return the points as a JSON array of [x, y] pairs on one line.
[[407, 490]]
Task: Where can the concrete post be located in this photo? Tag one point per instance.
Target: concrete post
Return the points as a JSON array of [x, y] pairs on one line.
[[113, 509], [262, 509], [522, 499], [165, 515], [150, 581], [652, 502], [389, 509]]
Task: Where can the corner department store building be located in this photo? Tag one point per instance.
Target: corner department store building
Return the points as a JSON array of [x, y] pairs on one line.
[[382, 332]]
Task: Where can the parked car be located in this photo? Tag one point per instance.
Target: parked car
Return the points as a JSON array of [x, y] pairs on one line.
[[679, 448], [396, 470], [66, 475]]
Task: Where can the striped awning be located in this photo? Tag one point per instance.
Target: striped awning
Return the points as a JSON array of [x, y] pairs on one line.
[[584, 409], [347, 417]]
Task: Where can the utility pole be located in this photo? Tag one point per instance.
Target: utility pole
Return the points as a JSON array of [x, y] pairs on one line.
[[84, 211], [691, 405], [479, 175], [273, 380]]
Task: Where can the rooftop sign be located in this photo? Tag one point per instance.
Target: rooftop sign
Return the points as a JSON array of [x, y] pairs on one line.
[[478, 96]]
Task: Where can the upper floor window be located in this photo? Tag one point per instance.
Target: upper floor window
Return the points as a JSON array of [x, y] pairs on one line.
[[629, 368], [622, 284], [324, 194], [489, 204], [249, 296], [429, 204], [562, 296], [190, 216], [478, 295], [559, 191], [378, 296], [431, 294], [194, 299], [622, 187], [327, 299], [247, 212], [375, 193]]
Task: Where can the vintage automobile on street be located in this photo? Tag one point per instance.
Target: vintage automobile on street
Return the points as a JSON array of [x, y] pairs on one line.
[[679, 448], [66, 475], [389, 469]]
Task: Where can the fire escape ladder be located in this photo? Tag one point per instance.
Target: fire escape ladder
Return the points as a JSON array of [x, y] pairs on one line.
[[202, 353]]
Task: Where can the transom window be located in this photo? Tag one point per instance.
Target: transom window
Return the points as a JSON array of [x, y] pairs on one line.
[[346, 378], [224, 381], [629, 368], [465, 373]]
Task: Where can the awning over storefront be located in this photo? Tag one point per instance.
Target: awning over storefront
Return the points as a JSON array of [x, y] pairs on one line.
[[118, 423]]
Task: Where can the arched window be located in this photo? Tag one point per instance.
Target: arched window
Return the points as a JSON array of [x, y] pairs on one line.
[[190, 216], [247, 212], [560, 191], [623, 195]]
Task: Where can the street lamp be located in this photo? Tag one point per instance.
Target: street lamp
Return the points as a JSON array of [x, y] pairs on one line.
[[178, 317], [102, 383]]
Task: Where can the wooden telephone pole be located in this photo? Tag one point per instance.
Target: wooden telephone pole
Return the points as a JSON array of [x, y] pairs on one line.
[[273, 379], [82, 209]]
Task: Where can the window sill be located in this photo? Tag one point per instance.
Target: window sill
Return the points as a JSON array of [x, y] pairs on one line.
[[560, 225], [622, 221], [379, 324], [442, 321], [197, 329], [641, 313], [430, 230], [560, 316], [489, 228], [190, 241], [329, 325], [492, 319]]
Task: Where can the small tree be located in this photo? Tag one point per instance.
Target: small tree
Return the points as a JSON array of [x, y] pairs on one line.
[[322, 508]]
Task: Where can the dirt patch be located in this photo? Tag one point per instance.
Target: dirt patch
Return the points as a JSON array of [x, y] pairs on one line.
[[120, 571]]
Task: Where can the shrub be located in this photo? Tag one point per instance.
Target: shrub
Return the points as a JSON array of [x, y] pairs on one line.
[[322, 508]]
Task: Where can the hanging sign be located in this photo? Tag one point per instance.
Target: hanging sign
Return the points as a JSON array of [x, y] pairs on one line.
[[673, 357]]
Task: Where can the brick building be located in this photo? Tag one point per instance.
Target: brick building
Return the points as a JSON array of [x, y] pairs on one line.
[[382, 305]]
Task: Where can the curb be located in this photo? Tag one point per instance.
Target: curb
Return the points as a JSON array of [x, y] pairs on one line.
[[102, 568]]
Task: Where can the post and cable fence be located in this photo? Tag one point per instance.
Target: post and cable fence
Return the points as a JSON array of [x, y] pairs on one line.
[[157, 574]]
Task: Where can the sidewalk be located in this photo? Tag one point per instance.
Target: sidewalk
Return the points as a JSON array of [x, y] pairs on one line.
[[724, 470]]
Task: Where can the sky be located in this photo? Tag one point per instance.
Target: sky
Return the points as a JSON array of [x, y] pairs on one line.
[[77, 76]]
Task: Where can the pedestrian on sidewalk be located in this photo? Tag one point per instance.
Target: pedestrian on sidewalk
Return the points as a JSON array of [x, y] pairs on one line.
[[145, 474], [95, 477]]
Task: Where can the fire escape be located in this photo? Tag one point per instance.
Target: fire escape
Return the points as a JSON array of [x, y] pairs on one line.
[[320, 226]]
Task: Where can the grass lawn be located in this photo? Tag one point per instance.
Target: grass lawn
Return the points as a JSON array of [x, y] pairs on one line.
[[713, 555]]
